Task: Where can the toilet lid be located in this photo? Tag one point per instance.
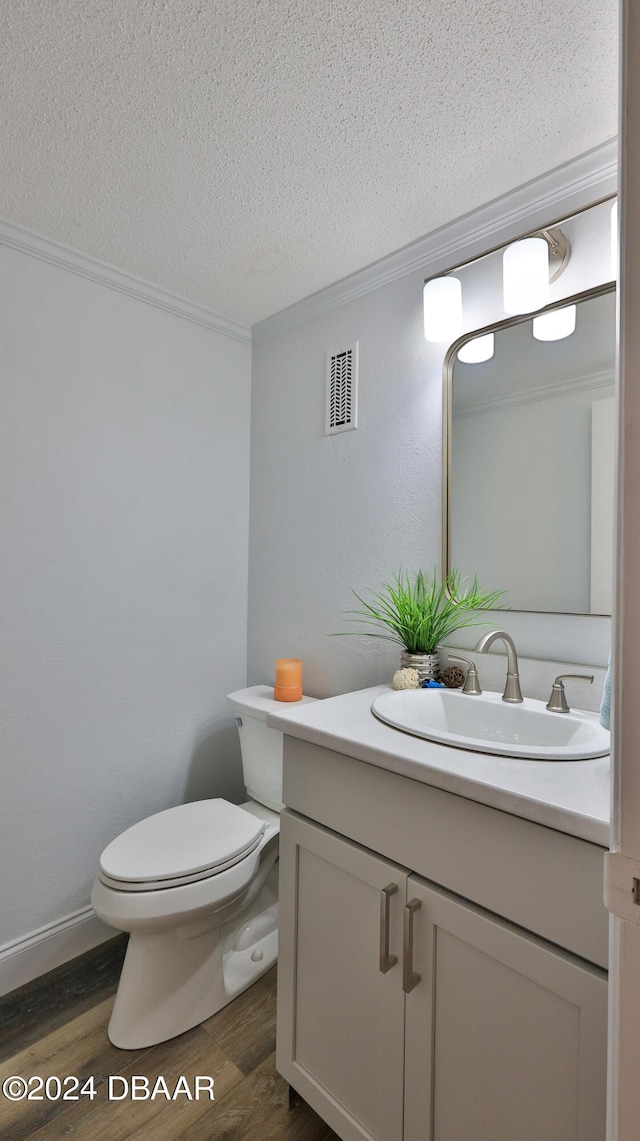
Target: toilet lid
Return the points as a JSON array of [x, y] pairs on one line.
[[181, 844]]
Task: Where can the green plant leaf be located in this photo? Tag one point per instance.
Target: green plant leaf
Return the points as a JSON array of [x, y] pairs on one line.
[[418, 614]]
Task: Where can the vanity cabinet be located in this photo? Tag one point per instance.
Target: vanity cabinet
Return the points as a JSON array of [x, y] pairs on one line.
[[407, 1012], [347, 1016]]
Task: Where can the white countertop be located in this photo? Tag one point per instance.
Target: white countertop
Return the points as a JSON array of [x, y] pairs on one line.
[[569, 796]]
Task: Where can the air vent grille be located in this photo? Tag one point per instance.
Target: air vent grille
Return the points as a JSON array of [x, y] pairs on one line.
[[342, 391]]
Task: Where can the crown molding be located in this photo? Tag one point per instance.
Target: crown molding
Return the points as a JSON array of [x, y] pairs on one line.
[[83, 265], [580, 182], [565, 190], [584, 383]]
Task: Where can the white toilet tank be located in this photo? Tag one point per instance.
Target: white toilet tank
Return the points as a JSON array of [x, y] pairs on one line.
[[261, 746]]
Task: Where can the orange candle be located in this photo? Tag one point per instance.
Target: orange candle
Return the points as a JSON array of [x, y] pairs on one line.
[[288, 685]]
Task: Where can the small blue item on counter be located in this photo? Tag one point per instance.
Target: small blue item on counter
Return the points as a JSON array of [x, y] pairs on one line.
[[605, 705], [431, 684]]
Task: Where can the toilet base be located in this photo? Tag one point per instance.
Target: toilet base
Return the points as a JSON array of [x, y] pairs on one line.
[[172, 980]]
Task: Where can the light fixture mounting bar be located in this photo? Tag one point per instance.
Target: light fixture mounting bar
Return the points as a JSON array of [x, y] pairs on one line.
[[559, 250]]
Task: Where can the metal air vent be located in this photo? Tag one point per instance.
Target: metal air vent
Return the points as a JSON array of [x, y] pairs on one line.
[[341, 413]]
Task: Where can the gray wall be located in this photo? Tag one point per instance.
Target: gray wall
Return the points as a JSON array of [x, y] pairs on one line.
[[329, 513], [124, 449], [332, 514]]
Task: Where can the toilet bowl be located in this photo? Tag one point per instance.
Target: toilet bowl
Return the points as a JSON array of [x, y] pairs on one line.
[[196, 886]]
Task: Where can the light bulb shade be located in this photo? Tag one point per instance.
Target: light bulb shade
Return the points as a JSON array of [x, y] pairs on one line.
[[614, 240], [525, 276], [555, 325], [478, 350], [442, 299]]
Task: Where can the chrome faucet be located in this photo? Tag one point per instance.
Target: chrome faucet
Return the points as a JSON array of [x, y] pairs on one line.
[[512, 691]]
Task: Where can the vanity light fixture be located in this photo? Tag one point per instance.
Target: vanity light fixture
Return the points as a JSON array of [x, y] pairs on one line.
[[528, 268], [442, 300], [525, 275], [556, 325], [478, 350]]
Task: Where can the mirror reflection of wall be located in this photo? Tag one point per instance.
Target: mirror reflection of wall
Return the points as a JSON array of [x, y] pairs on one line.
[[531, 465]]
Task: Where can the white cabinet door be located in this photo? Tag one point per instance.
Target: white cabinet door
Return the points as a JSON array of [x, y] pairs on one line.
[[505, 1036], [340, 1016]]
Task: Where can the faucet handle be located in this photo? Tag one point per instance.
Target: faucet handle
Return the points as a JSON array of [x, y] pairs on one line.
[[471, 683], [557, 702]]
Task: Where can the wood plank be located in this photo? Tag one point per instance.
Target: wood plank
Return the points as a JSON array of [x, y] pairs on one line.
[[246, 1028], [38, 1007], [258, 1110], [80, 1048], [134, 1120]]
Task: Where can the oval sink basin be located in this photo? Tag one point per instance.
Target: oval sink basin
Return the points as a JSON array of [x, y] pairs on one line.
[[487, 724]]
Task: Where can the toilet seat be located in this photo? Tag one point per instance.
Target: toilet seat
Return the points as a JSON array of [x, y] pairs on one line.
[[179, 846]]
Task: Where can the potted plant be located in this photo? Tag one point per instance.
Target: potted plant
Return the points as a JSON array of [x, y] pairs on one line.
[[419, 615]]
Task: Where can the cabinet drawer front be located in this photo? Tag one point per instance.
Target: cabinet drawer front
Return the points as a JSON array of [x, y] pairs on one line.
[[518, 1038], [543, 880], [340, 1017]]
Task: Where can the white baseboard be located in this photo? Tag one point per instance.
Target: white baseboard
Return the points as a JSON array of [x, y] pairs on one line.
[[33, 955]]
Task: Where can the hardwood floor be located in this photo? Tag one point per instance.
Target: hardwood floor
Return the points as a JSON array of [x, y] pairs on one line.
[[56, 1026]]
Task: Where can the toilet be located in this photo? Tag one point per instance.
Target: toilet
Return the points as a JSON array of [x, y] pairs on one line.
[[197, 888]]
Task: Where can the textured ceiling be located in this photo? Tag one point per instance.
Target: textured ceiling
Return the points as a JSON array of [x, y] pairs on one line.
[[245, 153]]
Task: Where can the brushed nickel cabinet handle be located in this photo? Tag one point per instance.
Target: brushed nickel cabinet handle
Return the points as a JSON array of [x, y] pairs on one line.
[[409, 976], [387, 961]]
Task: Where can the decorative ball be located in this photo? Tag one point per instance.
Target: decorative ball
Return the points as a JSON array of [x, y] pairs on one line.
[[406, 679], [452, 676]]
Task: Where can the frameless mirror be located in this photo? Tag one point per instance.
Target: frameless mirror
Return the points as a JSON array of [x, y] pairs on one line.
[[529, 463]]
